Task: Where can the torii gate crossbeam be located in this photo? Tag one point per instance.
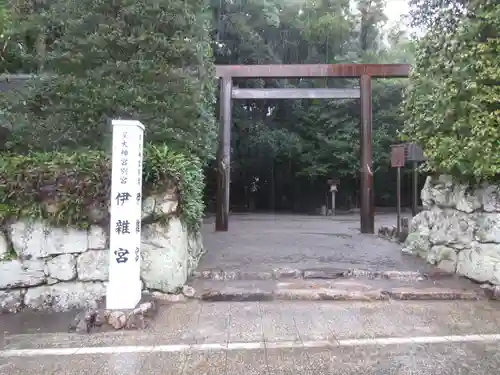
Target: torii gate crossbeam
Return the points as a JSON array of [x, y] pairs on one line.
[[365, 73]]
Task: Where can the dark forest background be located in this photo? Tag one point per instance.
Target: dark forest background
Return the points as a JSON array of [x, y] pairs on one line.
[[284, 151]]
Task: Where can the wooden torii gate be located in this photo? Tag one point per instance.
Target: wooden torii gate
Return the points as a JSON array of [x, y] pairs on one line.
[[365, 72]]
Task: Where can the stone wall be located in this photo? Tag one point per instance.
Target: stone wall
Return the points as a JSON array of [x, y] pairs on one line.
[[46, 267], [458, 229]]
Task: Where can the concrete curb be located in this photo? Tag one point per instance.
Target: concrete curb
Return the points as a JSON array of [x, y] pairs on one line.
[[400, 294], [323, 273]]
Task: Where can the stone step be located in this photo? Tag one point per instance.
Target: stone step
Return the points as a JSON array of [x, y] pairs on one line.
[[336, 290], [317, 273]]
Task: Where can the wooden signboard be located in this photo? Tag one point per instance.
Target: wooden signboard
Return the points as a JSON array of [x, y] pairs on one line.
[[333, 181], [398, 156]]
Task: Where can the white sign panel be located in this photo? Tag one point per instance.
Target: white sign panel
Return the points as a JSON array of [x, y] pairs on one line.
[[124, 287]]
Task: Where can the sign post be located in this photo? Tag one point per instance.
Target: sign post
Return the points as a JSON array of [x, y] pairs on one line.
[[414, 201], [124, 287], [415, 154], [398, 159]]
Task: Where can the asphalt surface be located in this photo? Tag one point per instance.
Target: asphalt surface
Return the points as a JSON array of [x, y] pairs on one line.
[[263, 242], [277, 338], [452, 359]]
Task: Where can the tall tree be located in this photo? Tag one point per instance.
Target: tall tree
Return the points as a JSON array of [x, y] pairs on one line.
[[371, 19], [306, 141]]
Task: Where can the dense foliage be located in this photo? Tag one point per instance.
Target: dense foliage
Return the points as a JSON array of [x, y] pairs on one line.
[[74, 188], [453, 103], [285, 150], [98, 60], [13, 57], [151, 60]]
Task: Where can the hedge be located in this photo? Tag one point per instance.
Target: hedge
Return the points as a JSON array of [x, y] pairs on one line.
[[66, 189], [143, 59], [452, 105]]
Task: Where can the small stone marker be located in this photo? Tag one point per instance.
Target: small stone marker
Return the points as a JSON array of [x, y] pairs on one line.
[[333, 189], [124, 288]]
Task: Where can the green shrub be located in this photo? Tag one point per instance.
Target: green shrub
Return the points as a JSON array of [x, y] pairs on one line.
[[452, 104], [73, 189], [144, 59], [163, 164]]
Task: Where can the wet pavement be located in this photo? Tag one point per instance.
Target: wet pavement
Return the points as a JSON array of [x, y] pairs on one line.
[[32, 322], [277, 338], [267, 257], [344, 289], [418, 359], [262, 242]]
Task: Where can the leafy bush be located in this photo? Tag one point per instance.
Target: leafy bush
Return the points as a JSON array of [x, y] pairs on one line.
[[453, 103], [163, 164], [13, 45], [144, 59], [74, 188]]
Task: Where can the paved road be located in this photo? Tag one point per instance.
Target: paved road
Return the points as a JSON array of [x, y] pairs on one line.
[[262, 242], [421, 359], [277, 338], [287, 337]]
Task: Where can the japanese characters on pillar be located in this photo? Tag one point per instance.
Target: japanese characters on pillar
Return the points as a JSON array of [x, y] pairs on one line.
[[124, 287]]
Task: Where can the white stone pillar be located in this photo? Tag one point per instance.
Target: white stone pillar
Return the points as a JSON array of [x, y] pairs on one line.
[[333, 202], [124, 288], [333, 190]]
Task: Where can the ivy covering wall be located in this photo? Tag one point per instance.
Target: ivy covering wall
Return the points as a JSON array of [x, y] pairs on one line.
[[98, 60], [74, 188]]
